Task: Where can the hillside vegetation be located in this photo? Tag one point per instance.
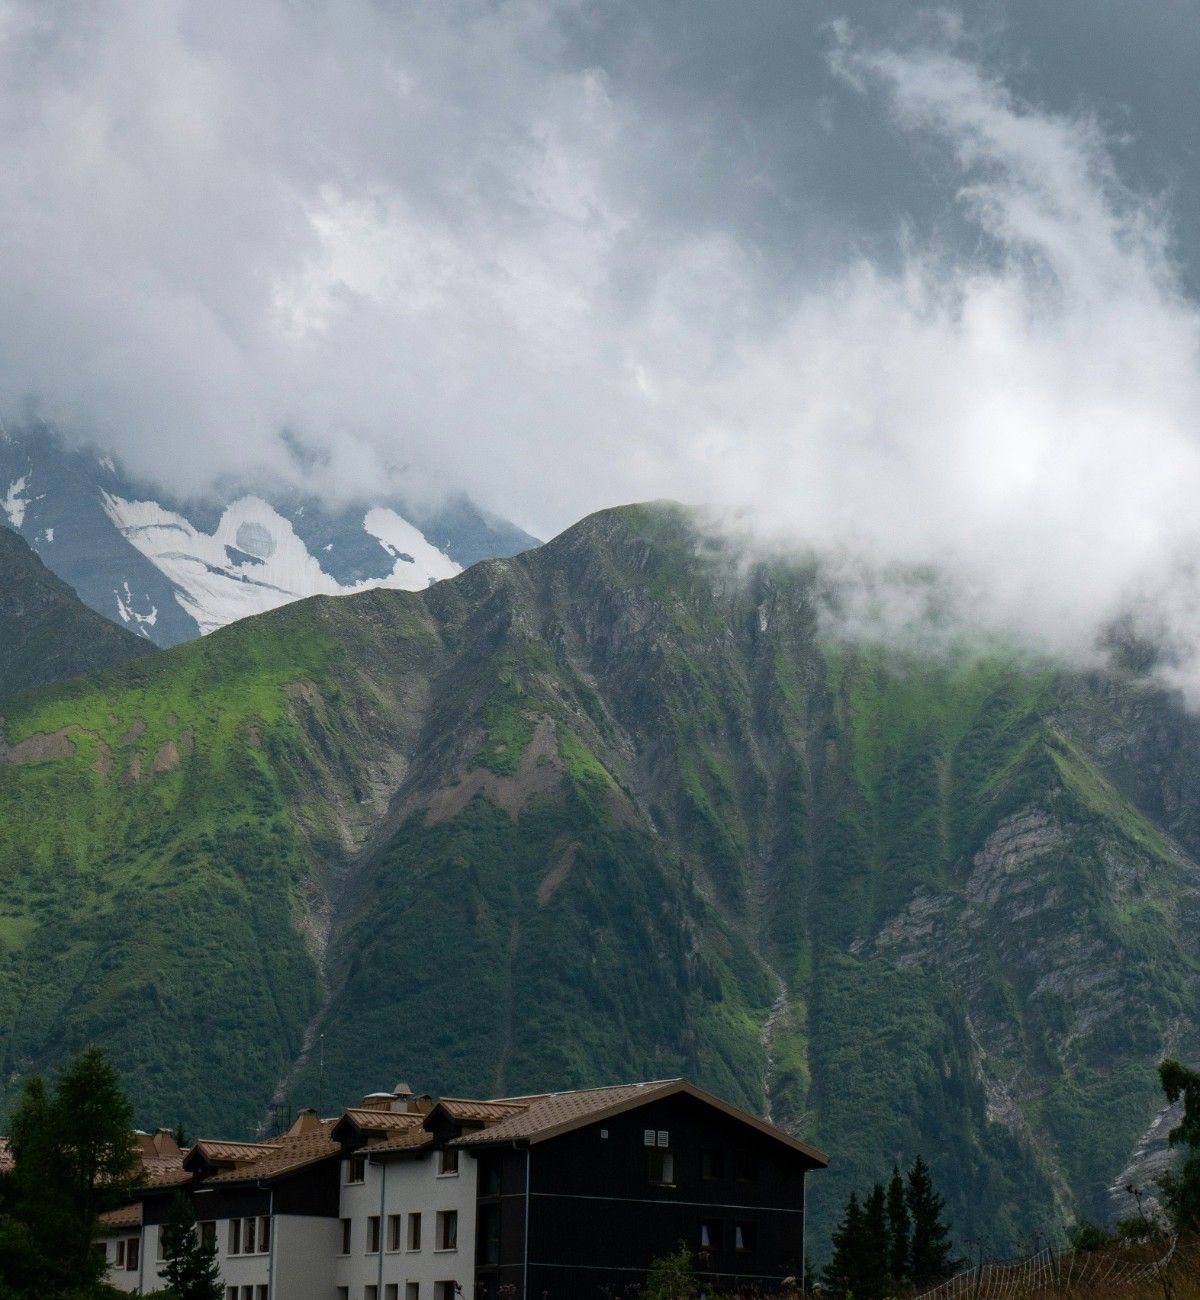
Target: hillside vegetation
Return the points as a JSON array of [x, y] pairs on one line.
[[46, 632], [618, 808]]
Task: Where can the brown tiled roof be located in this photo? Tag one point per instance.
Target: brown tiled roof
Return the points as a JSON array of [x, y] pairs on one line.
[[410, 1141], [382, 1120], [550, 1114], [128, 1216], [284, 1154], [464, 1108], [217, 1152]]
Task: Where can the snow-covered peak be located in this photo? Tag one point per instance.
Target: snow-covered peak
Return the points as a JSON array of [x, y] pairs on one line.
[[254, 561]]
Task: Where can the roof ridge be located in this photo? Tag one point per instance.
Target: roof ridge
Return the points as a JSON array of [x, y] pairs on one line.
[[603, 1087]]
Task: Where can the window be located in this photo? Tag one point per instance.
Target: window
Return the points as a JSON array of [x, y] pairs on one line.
[[393, 1232], [356, 1169], [121, 1253], [162, 1246], [447, 1161], [235, 1236], [345, 1236], [373, 1234], [131, 1254], [447, 1230], [101, 1249], [370, 1292], [488, 1248], [208, 1231], [412, 1291], [343, 1293], [710, 1235], [231, 1293], [264, 1234], [745, 1167], [712, 1167], [662, 1168], [260, 1291], [745, 1237], [248, 1293], [443, 1291], [414, 1232], [489, 1174], [248, 1239], [391, 1291]]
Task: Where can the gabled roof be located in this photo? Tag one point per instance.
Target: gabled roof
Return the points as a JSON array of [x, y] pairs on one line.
[[284, 1155], [209, 1152], [486, 1112], [367, 1121], [549, 1115]]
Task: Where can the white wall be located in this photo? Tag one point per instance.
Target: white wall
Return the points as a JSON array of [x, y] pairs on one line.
[[122, 1278], [305, 1251], [408, 1185]]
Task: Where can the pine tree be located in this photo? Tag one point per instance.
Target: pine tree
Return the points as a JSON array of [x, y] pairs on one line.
[[899, 1229], [930, 1251], [875, 1246], [1181, 1187], [191, 1271], [845, 1272], [73, 1159]]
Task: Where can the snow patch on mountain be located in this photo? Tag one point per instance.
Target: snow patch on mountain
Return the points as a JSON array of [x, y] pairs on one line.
[[254, 561], [127, 609], [15, 502]]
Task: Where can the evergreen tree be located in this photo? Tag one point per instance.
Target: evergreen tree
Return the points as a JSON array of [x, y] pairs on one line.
[[930, 1258], [899, 1229], [1181, 1187], [875, 1246], [73, 1160], [191, 1271], [670, 1277], [846, 1272]]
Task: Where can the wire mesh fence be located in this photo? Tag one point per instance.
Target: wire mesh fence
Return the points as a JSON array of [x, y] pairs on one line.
[[1050, 1271]]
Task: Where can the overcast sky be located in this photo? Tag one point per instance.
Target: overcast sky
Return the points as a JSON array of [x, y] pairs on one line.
[[923, 282]]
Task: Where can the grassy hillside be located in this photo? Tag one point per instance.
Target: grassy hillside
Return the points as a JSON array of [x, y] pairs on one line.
[[618, 807]]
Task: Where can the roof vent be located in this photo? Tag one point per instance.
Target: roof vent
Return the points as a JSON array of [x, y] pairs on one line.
[[306, 1121]]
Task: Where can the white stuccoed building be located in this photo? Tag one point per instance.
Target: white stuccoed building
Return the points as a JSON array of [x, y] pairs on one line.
[[408, 1197]]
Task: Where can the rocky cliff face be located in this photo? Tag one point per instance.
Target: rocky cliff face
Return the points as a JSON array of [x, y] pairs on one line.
[[619, 807]]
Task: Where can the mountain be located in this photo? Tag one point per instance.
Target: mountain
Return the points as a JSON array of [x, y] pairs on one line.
[[171, 570], [46, 632], [622, 806]]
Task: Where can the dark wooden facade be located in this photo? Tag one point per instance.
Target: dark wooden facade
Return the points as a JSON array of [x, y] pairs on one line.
[[584, 1213], [312, 1189]]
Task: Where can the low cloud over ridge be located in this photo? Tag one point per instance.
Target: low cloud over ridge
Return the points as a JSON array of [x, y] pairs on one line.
[[426, 241]]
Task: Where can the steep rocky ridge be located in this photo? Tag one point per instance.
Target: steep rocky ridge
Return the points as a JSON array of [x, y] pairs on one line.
[[617, 807], [46, 632]]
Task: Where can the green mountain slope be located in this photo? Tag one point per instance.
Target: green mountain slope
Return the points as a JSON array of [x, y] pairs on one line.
[[46, 632], [617, 808]]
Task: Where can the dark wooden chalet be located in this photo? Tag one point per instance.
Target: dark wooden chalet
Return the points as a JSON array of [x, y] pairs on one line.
[[578, 1193]]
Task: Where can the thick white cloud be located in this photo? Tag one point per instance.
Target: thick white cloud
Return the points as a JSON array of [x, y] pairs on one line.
[[420, 238]]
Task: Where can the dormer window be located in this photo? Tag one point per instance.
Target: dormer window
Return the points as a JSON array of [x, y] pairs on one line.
[[447, 1161], [356, 1169]]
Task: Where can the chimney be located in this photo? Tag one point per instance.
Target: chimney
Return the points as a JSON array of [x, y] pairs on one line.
[[400, 1095]]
